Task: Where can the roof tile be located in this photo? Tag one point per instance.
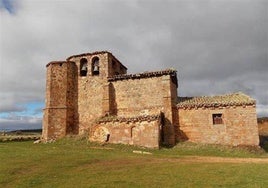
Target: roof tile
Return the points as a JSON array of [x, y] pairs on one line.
[[106, 119], [234, 99], [142, 75]]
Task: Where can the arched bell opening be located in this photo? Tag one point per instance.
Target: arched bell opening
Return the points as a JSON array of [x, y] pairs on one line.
[[83, 67], [95, 66]]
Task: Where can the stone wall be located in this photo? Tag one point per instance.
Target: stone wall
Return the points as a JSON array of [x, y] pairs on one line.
[[58, 102], [239, 125], [135, 97], [138, 97], [72, 99], [146, 96], [54, 123], [141, 131]]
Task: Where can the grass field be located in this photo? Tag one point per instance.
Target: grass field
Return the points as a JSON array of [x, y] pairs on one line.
[[76, 163]]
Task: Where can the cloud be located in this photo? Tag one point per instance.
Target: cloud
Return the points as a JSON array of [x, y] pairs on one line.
[[216, 46], [262, 110], [14, 122]]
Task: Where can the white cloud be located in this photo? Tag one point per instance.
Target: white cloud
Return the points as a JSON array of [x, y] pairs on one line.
[[262, 110], [217, 46], [20, 123]]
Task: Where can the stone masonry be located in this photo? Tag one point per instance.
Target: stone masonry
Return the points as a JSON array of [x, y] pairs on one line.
[[236, 126], [91, 94]]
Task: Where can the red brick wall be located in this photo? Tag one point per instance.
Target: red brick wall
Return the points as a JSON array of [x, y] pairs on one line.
[[239, 125]]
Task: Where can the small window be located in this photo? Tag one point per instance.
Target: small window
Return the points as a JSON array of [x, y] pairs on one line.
[[83, 67], [95, 66], [217, 119]]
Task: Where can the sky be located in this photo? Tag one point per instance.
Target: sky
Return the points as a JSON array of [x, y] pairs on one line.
[[217, 46]]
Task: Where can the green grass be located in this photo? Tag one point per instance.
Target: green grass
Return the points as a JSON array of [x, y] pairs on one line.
[[76, 163], [189, 149]]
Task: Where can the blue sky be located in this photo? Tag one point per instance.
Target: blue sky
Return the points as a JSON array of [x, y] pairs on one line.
[[218, 47], [30, 109], [29, 117], [6, 4]]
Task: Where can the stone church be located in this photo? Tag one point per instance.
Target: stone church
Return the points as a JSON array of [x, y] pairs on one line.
[[91, 94]]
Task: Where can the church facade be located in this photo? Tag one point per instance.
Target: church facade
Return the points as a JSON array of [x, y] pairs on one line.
[[91, 94]]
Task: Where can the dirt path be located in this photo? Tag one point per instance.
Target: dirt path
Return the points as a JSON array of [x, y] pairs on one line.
[[204, 159]]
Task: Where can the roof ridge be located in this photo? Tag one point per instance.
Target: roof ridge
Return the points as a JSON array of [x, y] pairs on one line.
[[217, 95], [145, 74]]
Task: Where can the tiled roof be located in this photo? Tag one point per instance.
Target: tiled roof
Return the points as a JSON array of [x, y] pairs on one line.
[[235, 99], [127, 119], [143, 75]]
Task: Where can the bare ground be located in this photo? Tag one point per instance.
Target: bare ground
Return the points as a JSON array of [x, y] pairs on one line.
[[204, 159]]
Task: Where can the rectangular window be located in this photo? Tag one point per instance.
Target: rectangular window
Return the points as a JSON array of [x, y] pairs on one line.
[[217, 119]]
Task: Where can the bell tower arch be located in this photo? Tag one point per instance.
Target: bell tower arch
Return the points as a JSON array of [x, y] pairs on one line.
[[95, 66]]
